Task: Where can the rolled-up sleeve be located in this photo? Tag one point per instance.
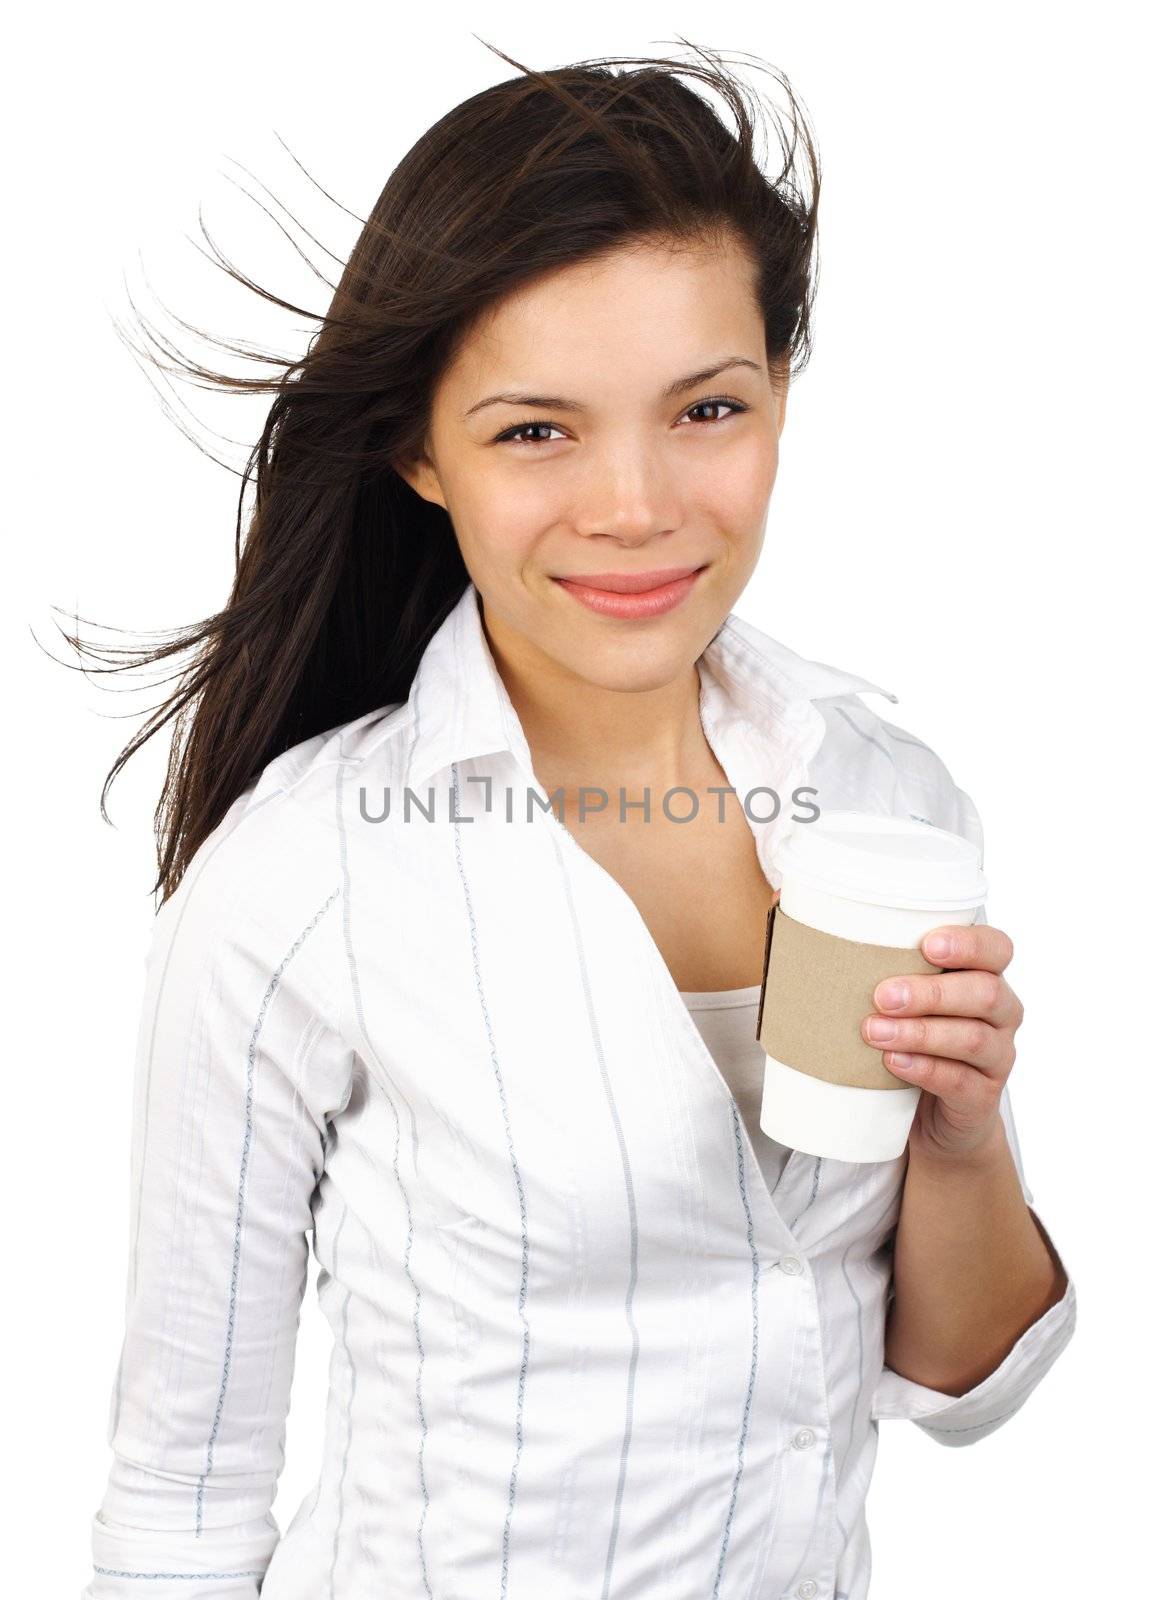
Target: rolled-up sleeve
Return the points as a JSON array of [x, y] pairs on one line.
[[967, 1418], [236, 1069]]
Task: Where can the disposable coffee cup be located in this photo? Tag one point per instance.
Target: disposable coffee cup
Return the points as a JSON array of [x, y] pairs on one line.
[[857, 894]]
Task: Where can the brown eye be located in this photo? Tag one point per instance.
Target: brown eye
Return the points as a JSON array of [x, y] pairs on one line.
[[733, 405], [509, 434]]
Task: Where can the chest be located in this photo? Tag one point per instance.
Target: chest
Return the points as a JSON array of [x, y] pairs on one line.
[[698, 886], [515, 1028]]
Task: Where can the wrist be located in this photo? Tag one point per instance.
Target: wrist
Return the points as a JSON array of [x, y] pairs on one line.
[[983, 1157]]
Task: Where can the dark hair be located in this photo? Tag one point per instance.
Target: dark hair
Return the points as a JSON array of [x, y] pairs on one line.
[[346, 573]]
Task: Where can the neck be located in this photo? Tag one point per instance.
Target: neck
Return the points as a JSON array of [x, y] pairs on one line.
[[582, 734]]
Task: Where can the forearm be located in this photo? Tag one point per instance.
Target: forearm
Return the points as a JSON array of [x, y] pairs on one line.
[[972, 1268]]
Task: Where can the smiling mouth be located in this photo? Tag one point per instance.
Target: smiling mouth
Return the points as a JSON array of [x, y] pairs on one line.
[[643, 597], [630, 582]]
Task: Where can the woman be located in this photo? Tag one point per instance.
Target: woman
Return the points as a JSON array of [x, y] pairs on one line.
[[447, 973]]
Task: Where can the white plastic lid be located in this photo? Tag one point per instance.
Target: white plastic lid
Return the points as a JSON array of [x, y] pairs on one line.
[[891, 861]]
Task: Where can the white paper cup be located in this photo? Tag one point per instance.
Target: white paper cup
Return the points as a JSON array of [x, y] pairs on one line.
[[880, 881]]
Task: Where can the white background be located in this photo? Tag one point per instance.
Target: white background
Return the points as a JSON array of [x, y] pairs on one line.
[[967, 512]]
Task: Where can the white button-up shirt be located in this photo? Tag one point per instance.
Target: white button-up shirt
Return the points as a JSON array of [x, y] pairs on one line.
[[580, 1349]]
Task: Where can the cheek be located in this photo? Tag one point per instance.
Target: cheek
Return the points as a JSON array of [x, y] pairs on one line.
[[734, 486], [741, 471], [506, 513], [496, 547]]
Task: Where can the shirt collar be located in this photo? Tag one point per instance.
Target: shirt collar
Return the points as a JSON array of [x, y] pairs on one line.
[[460, 709]]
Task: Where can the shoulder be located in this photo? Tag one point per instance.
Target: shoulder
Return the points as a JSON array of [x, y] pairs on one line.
[[267, 879], [867, 762], [862, 760]]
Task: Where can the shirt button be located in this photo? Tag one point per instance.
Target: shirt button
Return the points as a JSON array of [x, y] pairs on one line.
[[802, 1439], [792, 1265], [807, 1589]]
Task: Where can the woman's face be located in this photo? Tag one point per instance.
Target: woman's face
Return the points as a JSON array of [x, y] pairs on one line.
[[610, 456]]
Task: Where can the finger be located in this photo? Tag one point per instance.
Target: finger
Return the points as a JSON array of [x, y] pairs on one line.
[[977, 945], [950, 994], [965, 1039], [963, 1089]]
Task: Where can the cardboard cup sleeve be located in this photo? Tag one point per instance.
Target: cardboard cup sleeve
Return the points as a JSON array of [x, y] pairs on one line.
[[815, 990]]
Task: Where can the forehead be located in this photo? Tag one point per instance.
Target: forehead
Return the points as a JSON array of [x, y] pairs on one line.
[[645, 310]]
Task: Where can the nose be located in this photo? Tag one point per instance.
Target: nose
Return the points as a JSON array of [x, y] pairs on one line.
[[629, 497]]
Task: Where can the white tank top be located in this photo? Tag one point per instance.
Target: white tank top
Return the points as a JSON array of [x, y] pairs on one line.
[[726, 1018]]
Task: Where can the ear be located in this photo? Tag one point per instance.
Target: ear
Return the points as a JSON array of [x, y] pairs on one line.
[[417, 469]]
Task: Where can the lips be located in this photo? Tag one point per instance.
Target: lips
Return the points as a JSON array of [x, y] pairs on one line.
[[629, 582], [642, 597]]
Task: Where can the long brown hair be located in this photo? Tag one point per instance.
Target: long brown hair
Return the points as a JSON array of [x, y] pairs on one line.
[[346, 573]]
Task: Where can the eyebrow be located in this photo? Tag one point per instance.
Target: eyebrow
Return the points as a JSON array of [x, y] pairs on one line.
[[553, 402]]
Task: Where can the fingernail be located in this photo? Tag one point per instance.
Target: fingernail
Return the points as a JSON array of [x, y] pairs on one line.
[[892, 995], [882, 1027], [938, 947]]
